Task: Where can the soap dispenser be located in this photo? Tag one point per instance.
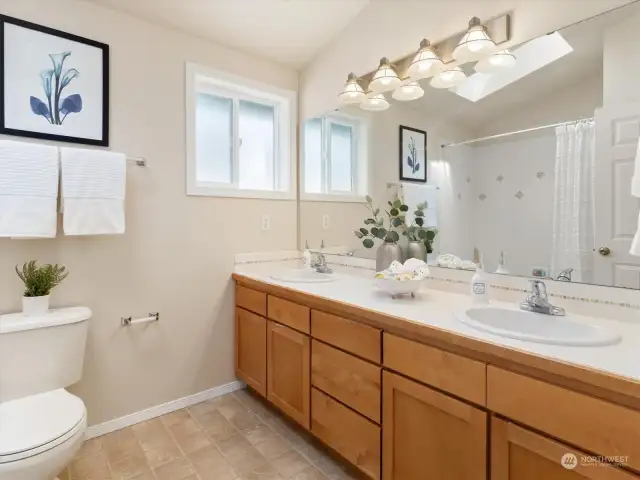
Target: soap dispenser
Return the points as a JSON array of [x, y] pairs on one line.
[[479, 281], [306, 255]]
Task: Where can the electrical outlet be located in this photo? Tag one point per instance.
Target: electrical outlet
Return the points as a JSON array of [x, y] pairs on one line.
[[325, 221], [266, 222]]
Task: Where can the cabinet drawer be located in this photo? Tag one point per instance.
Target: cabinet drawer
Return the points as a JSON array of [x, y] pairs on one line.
[[352, 436], [289, 313], [595, 425], [452, 373], [251, 300], [351, 380], [353, 337]]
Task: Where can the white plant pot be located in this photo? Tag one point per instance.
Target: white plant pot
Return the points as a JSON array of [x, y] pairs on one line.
[[32, 306]]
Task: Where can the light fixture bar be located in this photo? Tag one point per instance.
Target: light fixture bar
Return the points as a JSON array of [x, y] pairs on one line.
[[498, 28]]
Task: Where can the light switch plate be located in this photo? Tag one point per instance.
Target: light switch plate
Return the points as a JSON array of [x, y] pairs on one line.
[[325, 221]]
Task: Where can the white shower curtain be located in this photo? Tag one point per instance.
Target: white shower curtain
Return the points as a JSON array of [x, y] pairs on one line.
[[573, 212]]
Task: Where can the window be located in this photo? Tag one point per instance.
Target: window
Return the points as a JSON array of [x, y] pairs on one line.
[[239, 135], [334, 158]]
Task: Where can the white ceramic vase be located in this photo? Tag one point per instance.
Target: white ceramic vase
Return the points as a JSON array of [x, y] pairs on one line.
[[32, 306]]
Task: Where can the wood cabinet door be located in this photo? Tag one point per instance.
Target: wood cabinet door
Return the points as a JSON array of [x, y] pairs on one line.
[[251, 350], [429, 435], [288, 375], [519, 454]]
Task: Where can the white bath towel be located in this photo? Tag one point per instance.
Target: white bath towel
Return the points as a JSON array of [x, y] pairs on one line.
[[28, 190], [93, 191]]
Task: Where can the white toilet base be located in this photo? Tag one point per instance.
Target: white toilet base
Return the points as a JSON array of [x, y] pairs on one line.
[[45, 465]]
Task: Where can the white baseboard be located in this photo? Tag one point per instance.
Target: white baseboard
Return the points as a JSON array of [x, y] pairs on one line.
[[153, 412]]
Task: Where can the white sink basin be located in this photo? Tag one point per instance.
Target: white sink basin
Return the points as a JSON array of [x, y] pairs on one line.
[[537, 328], [303, 275]]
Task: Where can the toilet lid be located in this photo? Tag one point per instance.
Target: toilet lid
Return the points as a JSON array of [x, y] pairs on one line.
[[31, 422]]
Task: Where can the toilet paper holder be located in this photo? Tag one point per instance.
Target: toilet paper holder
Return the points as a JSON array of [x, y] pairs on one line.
[[153, 317]]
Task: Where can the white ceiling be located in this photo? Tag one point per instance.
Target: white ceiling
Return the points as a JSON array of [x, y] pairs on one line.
[[287, 31]]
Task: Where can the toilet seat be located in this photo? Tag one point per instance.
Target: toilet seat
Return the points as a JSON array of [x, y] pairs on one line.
[[37, 423]]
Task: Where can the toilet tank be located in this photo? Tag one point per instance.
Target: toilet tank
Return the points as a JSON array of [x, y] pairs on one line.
[[41, 353]]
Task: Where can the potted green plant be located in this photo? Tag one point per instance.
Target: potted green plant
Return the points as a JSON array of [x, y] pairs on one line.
[[389, 250], [38, 282], [420, 236]]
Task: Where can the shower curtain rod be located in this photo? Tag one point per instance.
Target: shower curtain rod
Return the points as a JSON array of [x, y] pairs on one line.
[[466, 142]]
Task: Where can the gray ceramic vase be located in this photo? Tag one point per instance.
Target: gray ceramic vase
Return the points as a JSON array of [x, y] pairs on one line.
[[417, 249], [387, 253]]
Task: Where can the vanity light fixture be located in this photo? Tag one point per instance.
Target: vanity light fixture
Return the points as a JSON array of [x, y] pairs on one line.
[[376, 103], [501, 60], [426, 63], [408, 90], [385, 79], [353, 92], [448, 78], [475, 44]]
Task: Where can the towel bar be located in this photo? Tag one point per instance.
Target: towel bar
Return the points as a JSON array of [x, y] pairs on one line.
[[153, 317], [139, 161]]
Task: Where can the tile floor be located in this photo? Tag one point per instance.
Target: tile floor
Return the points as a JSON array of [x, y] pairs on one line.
[[233, 437]]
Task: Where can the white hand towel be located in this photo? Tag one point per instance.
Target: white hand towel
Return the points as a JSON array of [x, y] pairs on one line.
[[93, 191], [28, 190]]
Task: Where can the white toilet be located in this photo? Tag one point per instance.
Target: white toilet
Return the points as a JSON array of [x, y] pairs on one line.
[[42, 426]]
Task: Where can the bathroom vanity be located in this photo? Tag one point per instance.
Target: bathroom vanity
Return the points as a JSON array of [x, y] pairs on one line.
[[402, 399]]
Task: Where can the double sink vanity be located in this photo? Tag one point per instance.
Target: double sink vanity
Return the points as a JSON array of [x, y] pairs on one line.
[[408, 389]]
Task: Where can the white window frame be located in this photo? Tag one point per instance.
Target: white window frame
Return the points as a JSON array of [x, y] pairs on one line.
[[360, 177], [201, 79]]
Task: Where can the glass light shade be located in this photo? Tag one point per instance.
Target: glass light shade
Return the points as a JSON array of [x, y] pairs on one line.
[[352, 93], [409, 90], [385, 79], [426, 63], [475, 44], [448, 78], [501, 60], [376, 103]]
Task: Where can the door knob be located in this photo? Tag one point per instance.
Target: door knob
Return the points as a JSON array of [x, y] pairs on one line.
[[604, 251]]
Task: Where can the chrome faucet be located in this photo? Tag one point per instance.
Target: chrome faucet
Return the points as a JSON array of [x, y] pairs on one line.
[[321, 261], [321, 264], [538, 301], [565, 275]]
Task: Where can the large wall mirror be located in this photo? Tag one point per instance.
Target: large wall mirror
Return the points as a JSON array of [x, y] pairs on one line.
[[531, 165]]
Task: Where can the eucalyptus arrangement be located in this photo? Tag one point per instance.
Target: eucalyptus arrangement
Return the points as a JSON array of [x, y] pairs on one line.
[[417, 232], [395, 219], [38, 282]]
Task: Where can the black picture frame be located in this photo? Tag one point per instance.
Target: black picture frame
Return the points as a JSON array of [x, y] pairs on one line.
[[104, 140], [423, 176]]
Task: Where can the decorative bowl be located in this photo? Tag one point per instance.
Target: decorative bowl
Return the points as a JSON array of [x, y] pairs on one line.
[[396, 287]]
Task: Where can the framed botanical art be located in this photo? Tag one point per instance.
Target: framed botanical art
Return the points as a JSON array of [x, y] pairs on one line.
[[413, 154], [53, 85]]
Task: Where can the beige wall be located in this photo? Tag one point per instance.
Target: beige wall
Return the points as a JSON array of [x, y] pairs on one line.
[[177, 254], [393, 29]]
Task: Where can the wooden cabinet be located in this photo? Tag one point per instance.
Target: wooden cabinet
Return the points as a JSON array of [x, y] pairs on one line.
[[288, 313], [427, 434], [353, 337], [519, 454], [352, 381], [288, 379], [251, 350], [593, 424], [351, 435]]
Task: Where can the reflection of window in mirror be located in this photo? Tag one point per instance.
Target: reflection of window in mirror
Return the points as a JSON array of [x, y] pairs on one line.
[[334, 158]]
